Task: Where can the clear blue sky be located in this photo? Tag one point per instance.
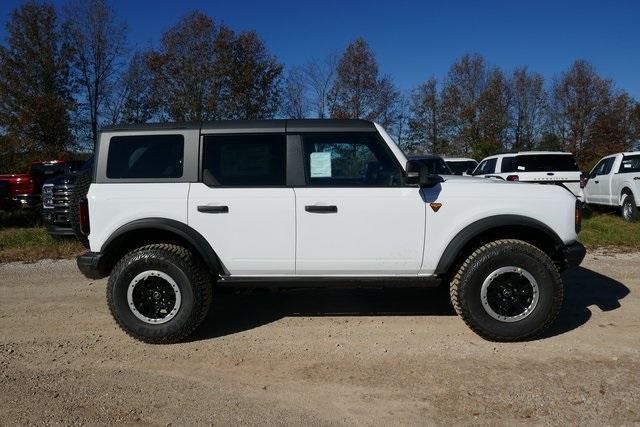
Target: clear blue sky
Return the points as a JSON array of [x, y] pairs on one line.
[[414, 40]]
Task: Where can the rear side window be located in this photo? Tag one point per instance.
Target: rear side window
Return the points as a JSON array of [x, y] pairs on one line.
[[546, 163], [459, 168], [145, 156], [508, 164], [244, 160], [630, 164]]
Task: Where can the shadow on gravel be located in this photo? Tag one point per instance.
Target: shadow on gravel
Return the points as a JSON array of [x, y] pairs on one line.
[[233, 313], [585, 288]]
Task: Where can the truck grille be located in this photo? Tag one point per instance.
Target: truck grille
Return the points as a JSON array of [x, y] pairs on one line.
[[61, 196]]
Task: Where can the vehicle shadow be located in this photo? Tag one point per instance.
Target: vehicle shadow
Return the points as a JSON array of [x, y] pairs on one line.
[[237, 312], [585, 288]]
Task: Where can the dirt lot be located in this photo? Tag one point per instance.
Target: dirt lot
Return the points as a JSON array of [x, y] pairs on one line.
[[318, 357]]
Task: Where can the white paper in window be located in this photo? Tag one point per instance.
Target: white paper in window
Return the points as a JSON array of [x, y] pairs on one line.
[[320, 165]]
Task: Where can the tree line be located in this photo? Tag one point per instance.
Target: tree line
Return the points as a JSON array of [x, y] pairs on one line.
[[66, 72]]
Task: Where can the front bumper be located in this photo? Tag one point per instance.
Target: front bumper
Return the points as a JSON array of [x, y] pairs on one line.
[[92, 265], [57, 221], [573, 254]]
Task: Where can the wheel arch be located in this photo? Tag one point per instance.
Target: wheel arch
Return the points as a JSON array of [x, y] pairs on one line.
[[626, 190], [498, 227], [158, 230]]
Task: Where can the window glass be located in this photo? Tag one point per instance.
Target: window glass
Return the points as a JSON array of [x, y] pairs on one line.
[[244, 160], [145, 156], [486, 167], [435, 165], [630, 164], [508, 164], [603, 167], [460, 167], [546, 163], [349, 159]]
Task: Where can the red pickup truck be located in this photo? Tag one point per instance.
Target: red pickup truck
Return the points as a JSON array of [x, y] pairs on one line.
[[24, 190]]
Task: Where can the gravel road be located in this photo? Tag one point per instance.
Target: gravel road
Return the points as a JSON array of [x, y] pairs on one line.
[[318, 357]]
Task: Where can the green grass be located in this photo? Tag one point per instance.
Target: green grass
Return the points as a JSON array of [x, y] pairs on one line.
[[611, 231], [32, 244]]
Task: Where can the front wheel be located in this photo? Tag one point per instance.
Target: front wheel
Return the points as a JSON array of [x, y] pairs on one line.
[[630, 211], [159, 293], [507, 290]]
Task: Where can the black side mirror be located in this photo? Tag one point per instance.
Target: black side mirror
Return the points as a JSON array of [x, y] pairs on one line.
[[418, 173]]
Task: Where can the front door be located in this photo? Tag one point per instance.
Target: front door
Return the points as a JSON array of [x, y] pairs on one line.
[[355, 216], [242, 205]]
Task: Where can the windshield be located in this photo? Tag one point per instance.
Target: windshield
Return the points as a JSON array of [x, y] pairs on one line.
[[436, 166], [459, 167]]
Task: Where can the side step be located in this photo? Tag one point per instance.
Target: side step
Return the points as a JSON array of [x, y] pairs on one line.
[[327, 282]]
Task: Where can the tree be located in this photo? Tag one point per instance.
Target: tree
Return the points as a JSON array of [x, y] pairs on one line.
[[320, 78], [359, 91], [99, 41], [295, 102], [529, 108], [133, 100], [35, 89], [426, 118], [203, 71], [494, 116]]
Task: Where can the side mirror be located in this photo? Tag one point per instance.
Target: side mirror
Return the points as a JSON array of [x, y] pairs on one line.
[[418, 173]]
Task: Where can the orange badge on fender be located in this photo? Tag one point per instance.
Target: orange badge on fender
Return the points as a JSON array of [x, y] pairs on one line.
[[435, 206]]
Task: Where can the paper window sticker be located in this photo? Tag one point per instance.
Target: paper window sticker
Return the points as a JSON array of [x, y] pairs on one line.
[[320, 165]]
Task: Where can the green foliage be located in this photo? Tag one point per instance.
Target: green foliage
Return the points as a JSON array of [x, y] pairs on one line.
[[610, 230]]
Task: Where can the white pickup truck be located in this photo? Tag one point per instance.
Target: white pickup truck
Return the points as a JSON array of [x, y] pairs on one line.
[[176, 211], [615, 181]]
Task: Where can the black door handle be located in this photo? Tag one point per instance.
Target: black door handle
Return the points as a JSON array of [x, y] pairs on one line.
[[550, 173], [597, 182], [213, 209], [321, 209]]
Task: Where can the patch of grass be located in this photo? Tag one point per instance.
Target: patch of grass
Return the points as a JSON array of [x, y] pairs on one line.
[[610, 230], [33, 244], [19, 218]]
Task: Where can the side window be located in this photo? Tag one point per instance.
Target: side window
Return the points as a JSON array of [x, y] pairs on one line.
[[349, 160], [607, 165], [145, 156], [630, 164], [508, 164], [244, 160]]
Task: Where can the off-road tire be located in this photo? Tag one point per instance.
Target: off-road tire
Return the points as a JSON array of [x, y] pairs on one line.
[[189, 274], [80, 190], [629, 209], [465, 290]]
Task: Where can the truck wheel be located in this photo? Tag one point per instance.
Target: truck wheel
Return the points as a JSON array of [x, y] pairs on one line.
[[159, 293], [80, 190], [507, 290], [629, 209]]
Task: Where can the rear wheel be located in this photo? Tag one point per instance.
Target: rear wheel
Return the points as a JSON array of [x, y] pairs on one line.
[[507, 290], [629, 208], [159, 293]]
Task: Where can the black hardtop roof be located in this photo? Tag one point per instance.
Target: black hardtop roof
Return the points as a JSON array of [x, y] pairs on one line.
[[255, 126]]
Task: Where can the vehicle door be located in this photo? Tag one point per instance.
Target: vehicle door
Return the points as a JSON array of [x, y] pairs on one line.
[[242, 204], [598, 186], [355, 215]]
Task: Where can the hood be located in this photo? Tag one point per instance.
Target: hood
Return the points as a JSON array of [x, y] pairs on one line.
[[66, 179]]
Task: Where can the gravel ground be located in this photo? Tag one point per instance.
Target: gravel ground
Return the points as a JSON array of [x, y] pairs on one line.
[[318, 357]]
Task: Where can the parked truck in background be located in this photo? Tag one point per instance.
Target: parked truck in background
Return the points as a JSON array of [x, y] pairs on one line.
[[25, 189], [615, 181]]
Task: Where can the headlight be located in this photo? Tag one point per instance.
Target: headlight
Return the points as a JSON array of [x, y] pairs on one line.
[[47, 196]]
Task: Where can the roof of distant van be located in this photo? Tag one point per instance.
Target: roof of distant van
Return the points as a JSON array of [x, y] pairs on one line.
[[253, 126]]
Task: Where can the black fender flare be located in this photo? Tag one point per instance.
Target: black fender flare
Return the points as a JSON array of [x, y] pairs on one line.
[[180, 229], [474, 229]]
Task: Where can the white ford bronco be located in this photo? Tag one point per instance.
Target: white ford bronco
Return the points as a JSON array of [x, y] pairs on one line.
[[175, 212], [615, 181]]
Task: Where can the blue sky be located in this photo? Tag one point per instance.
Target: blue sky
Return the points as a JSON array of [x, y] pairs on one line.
[[418, 39]]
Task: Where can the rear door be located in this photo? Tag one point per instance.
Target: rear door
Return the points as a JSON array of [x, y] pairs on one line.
[[355, 216], [243, 206]]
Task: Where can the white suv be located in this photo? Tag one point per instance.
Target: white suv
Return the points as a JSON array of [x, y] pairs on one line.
[[615, 181], [174, 212], [541, 167]]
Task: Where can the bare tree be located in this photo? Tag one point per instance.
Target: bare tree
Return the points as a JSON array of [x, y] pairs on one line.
[[320, 79], [494, 118], [133, 101], [295, 99], [98, 40], [529, 108], [426, 117]]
